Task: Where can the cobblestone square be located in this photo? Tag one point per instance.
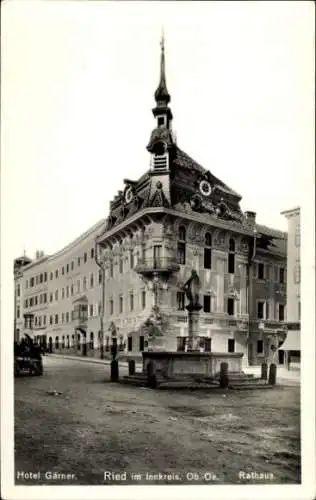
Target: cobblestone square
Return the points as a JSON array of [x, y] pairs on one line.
[[73, 426]]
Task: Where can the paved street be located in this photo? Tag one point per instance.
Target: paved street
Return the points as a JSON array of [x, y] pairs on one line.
[[95, 426]]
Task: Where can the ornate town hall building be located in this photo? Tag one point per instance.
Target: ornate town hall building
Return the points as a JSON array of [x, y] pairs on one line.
[[176, 218]]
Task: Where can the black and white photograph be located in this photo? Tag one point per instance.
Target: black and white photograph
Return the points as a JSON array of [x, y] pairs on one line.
[[158, 250]]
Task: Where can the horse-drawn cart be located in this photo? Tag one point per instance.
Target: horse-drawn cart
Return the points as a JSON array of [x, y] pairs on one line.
[[27, 358]]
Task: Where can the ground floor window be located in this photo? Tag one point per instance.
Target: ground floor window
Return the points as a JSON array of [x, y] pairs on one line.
[[56, 342], [231, 345], [259, 346], [181, 343], [231, 306], [141, 343], [129, 343]]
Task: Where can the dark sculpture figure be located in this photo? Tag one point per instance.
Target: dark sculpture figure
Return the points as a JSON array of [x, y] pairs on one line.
[[192, 289]]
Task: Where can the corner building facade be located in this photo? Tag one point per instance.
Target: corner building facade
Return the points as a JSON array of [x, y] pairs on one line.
[[176, 218]]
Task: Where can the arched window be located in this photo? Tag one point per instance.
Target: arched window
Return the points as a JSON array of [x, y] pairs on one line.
[[91, 340], [231, 256], [63, 342], [181, 245], [68, 342], [208, 251], [72, 340], [56, 342]]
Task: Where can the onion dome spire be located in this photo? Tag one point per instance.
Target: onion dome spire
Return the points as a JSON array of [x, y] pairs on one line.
[[162, 96]]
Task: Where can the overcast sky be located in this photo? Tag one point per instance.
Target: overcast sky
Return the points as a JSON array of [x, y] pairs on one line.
[[78, 80]]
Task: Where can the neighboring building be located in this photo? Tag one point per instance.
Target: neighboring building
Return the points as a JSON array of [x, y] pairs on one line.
[[49, 289], [292, 346], [177, 217]]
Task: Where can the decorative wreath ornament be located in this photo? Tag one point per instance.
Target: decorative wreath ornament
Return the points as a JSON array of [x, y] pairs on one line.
[[205, 188], [128, 194]]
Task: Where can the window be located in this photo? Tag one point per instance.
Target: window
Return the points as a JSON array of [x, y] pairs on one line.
[[231, 345], [120, 304], [45, 276], [121, 265], [56, 295], [78, 261], [72, 290], [143, 299], [181, 342], [131, 302], [161, 121], [207, 344], [231, 306], [180, 301], [91, 340], [57, 342], [111, 269], [281, 312], [78, 286], [297, 272], [27, 284], [260, 310], [91, 310], [100, 309], [67, 268], [131, 259], [181, 245], [36, 280], [111, 306], [68, 342], [63, 270], [72, 265], [26, 304], [56, 319], [92, 253], [259, 346], [282, 275], [41, 278], [91, 280], [63, 342], [56, 273], [18, 291], [129, 343], [62, 317], [67, 317], [32, 280], [100, 277], [44, 319], [67, 292], [51, 319], [35, 300], [261, 271], [207, 303], [263, 310], [50, 297], [18, 311], [41, 299], [231, 256], [85, 257], [84, 283], [298, 235], [62, 293], [208, 251], [141, 343], [31, 302]]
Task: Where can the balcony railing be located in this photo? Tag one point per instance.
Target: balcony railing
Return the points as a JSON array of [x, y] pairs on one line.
[[161, 264]]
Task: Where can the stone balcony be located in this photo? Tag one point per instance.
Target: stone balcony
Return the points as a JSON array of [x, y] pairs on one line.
[[163, 266]]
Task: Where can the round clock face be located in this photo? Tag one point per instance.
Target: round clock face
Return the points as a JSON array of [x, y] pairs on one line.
[[128, 195], [205, 188]]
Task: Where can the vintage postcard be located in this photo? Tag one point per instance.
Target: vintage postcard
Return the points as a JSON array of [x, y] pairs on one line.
[[158, 250]]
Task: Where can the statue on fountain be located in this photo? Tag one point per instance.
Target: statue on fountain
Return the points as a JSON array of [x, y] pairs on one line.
[[192, 290]]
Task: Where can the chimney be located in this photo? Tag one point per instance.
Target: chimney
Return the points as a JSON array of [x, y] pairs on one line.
[[251, 218]]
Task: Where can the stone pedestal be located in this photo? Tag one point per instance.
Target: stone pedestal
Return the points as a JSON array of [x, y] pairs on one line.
[[193, 326]]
